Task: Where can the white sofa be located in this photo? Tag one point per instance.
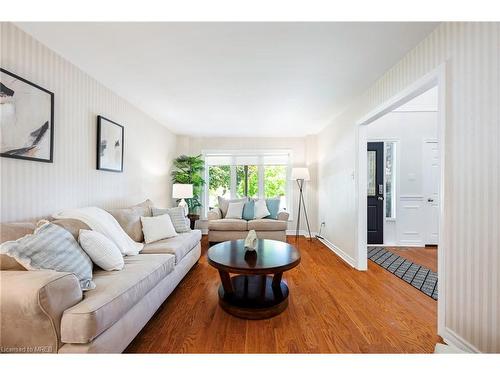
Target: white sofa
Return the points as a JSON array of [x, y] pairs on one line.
[[46, 311]]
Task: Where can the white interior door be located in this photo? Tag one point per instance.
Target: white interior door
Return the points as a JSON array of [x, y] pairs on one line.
[[431, 192]]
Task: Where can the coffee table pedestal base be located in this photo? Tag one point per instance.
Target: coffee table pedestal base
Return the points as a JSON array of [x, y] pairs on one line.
[[254, 296]]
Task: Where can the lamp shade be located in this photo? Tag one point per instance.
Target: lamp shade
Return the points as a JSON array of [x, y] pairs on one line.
[[300, 174], [182, 191]]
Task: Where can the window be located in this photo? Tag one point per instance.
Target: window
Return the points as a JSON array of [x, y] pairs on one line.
[[247, 181], [219, 183], [372, 159], [390, 180], [239, 174], [275, 183]]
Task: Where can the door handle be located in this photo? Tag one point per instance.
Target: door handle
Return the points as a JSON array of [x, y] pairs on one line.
[[380, 198], [430, 200]]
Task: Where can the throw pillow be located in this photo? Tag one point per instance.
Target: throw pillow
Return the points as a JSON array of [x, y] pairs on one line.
[[103, 222], [101, 250], [273, 205], [249, 210], [51, 247], [224, 204], [261, 210], [235, 210], [179, 220], [130, 218], [157, 228]]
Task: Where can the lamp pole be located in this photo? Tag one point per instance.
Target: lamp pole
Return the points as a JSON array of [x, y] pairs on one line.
[[300, 183]]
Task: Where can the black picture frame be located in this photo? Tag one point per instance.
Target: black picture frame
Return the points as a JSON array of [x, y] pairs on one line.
[[51, 125], [101, 122]]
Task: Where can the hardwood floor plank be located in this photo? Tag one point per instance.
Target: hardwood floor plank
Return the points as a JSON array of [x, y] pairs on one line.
[[332, 309], [424, 256]]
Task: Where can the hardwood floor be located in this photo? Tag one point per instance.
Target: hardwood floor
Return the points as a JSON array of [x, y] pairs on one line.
[[333, 309], [424, 256]]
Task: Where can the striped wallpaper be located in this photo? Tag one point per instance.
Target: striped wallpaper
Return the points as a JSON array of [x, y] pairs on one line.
[[472, 227], [31, 189]]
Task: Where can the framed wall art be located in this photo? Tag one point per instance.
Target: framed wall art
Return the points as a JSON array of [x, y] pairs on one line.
[[26, 119], [110, 139]]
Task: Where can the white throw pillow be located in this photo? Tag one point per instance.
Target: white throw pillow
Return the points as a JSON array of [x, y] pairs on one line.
[[157, 228], [235, 210], [101, 250], [261, 210]]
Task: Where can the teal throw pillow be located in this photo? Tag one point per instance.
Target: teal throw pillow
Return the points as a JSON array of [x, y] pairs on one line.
[[249, 210], [273, 206]]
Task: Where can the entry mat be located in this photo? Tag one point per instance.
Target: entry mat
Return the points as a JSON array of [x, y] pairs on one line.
[[416, 275]]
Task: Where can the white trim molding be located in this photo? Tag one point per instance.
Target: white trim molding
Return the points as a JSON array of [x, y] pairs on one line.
[[452, 338], [436, 77], [343, 255], [302, 232]]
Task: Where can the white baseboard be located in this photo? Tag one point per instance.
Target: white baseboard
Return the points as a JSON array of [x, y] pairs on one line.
[[452, 338], [305, 233], [345, 257]]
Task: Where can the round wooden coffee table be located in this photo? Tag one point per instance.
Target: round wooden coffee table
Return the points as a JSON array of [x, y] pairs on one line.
[[253, 293]]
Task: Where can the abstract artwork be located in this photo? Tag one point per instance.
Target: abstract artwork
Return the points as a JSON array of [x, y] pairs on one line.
[[26, 119], [109, 145]]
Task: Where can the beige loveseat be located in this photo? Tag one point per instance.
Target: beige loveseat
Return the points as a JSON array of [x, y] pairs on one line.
[[221, 229], [46, 311]]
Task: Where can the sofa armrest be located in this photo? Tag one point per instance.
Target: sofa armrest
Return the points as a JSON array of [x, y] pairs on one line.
[[31, 308], [283, 216], [214, 214]]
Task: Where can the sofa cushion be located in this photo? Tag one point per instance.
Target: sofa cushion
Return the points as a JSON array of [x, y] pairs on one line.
[[267, 225], [227, 224], [179, 245], [116, 293], [130, 218]]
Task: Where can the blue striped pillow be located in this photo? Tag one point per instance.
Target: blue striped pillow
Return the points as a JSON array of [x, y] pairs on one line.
[[51, 248]]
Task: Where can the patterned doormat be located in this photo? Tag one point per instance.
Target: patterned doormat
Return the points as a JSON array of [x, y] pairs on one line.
[[418, 276]]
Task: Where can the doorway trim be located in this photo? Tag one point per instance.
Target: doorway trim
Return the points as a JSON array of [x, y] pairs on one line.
[[436, 77]]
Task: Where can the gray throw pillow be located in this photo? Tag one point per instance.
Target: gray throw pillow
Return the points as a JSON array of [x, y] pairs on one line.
[[130, 219], [224, 204], [51, 248], [177, 215]]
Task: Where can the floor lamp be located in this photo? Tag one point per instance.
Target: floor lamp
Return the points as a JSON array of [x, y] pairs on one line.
[[301, 175]]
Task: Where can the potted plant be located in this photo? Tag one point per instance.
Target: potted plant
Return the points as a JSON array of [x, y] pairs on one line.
[[189, 170]]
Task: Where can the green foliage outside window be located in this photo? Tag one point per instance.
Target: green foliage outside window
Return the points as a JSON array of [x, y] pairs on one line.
[[274, 181], [247, 182]]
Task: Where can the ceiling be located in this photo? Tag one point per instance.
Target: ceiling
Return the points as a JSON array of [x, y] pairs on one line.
[[234, 79]]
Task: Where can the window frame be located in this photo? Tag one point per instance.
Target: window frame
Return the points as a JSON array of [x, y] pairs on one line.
[[395, 176], [260, 154]]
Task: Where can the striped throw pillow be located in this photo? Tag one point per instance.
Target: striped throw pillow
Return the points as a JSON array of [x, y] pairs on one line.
[[51, 248], [181, 223]]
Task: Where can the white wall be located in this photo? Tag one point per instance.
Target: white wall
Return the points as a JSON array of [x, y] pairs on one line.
[[304, 153], [32, 190], [409, 129], [471, 206]]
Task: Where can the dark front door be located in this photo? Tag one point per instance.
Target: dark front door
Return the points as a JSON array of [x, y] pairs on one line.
[[375, 192]]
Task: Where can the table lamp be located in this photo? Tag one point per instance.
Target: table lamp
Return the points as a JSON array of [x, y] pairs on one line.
[[182, 191]]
